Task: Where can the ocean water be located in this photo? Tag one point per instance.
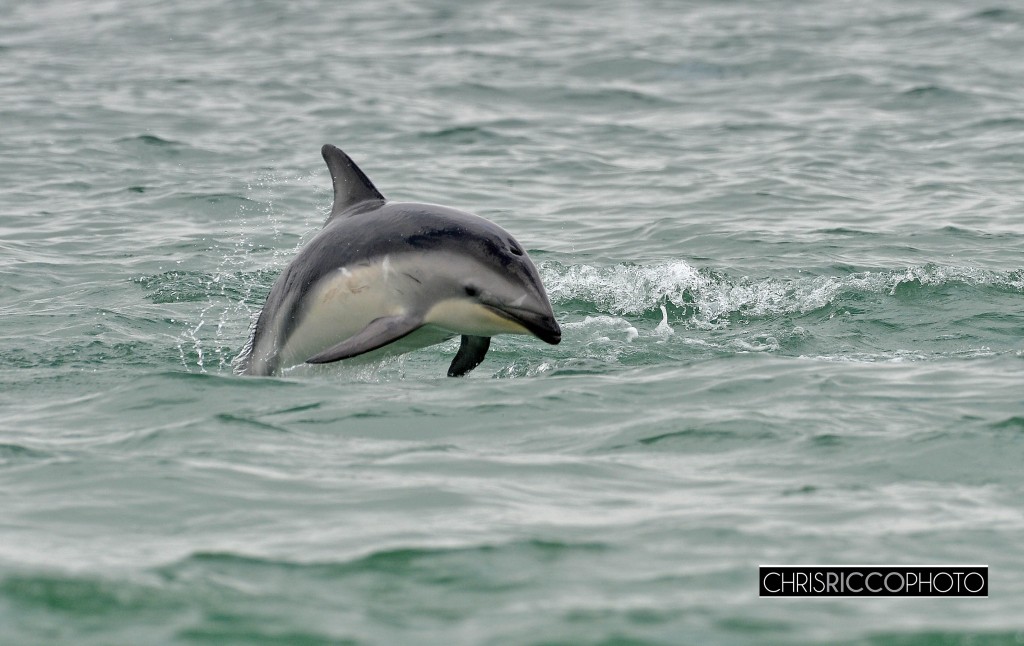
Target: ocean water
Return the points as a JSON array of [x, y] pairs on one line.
[[784, 241]]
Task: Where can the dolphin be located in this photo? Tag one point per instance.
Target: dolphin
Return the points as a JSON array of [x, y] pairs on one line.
[[390, 277]]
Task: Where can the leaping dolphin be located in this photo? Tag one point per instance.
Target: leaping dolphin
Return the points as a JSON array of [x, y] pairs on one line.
[[393, 277]]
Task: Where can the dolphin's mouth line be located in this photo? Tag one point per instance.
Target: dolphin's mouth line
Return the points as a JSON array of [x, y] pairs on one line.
[[541, 326]]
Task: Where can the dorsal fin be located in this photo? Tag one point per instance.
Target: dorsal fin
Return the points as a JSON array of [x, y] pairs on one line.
[[351, 185]]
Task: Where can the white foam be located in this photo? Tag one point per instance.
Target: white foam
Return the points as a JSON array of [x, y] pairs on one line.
[[664, 330], [637, 289]]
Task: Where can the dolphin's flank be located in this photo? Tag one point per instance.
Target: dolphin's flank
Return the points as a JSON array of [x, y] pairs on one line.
[[384, 278]]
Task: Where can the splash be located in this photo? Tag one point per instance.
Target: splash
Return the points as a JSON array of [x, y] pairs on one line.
[[711, 297], [231, 294]]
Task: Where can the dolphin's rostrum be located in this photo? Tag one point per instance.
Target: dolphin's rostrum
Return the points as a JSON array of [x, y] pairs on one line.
[[390, 277]]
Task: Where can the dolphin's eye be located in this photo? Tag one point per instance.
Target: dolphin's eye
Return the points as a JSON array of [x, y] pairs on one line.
[[515, 249], [472, 291]]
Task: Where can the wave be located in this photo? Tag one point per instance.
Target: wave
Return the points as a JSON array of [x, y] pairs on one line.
[[711, 296], [387, 560]]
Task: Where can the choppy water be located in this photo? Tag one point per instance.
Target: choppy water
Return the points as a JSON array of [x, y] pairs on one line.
[[784, 240]]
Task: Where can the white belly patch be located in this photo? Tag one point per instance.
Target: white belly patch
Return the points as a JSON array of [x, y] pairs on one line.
[[342, 304]]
